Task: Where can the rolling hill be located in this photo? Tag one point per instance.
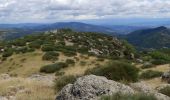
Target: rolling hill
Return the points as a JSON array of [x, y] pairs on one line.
[[150, 38]]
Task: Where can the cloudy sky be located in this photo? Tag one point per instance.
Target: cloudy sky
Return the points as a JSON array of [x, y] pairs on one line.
[[12, 11]]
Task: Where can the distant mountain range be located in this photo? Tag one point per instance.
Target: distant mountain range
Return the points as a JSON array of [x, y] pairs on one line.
[[12, 31], [122, 29], [150, 38], [141, 37]]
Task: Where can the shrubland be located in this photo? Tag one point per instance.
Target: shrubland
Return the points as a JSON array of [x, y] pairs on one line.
[[116, 70]]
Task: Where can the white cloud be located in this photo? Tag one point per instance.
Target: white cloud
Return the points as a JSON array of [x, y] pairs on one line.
[[56, 10]]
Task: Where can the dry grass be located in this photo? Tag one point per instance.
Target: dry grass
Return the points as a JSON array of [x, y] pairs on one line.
[[27, 67], [27, 64], [155, 82], [161, 68], [78, 69], [26, 89]]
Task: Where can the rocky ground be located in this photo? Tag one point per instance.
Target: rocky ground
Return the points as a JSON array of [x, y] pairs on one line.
[[89, 87], [92, 87]]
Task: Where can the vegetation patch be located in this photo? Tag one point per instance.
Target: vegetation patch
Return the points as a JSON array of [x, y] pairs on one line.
[[7, 53], [63, 81], [53, 67], [70, 62], [165, 90], [150, 74], [159, 62], [117, 71], [48, 47], [50, 55]]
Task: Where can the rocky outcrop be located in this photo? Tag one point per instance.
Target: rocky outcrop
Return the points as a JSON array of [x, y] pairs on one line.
[[91, 87], [142, 87]]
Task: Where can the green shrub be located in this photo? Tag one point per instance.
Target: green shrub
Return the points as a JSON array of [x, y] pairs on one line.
[[30, 50], [53, 67], [69, 53], [35, 44], [7, 53], [50, 55], [48, 47], [160, 62], [83, 50], [150, 74], [146, 58], [119, 96], [19, 42], [61, 43], [100, 59], [165, 90], [24, 50], [63, 81], [70, 61], [117, 71], [160, 55]]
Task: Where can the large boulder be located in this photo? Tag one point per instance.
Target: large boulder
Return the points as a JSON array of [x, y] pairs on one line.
[[91, 87]]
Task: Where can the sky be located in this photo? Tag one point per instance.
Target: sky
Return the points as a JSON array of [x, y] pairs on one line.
[[45, 11]]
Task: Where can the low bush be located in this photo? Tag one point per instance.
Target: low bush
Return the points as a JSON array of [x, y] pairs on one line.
[[61, 43], [48, 47], [160, 62], [7, 53], [35, 44], [150, 74], [117, 71], [100, 59], [69, 53], [165, 90], [119, 96], [53, 67], [70, 61], [63, 81], [160, 55], [50, 55], [24, 50]]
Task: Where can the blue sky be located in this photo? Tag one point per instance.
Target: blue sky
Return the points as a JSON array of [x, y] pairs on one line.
[[40, 11]]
